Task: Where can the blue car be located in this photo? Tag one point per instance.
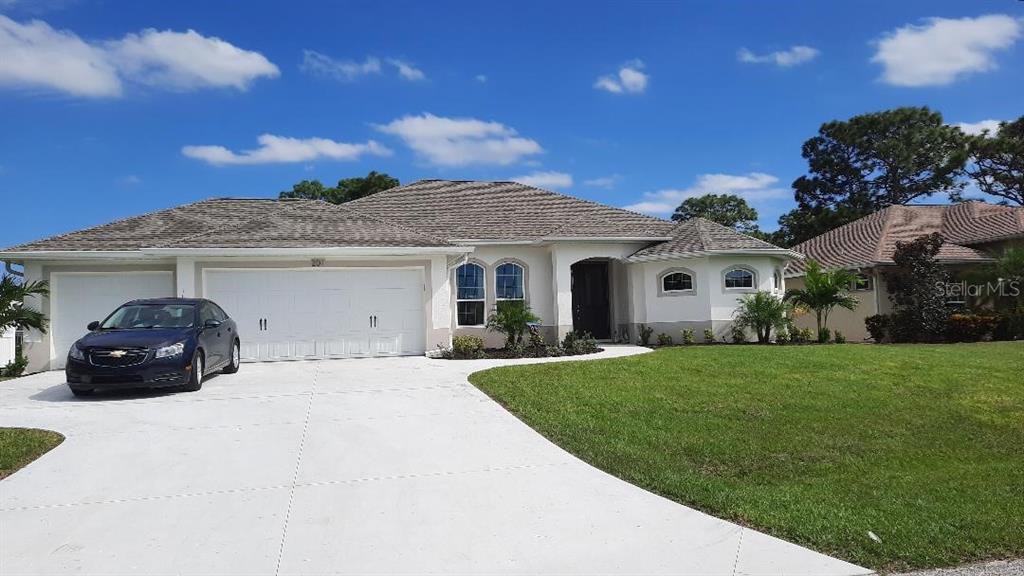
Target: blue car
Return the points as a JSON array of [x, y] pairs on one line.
[[156, 343]]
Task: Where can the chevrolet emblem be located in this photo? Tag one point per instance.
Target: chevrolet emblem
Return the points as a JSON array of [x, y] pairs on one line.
[[117, 353]]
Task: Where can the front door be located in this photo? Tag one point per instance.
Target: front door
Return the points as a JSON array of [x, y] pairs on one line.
[[591, 305]]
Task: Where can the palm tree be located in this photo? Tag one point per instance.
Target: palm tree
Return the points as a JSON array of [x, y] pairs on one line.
[[823, 291], [13, 312], [761, 312]]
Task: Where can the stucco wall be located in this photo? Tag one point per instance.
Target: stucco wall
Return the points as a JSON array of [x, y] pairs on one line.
[[849, 322]]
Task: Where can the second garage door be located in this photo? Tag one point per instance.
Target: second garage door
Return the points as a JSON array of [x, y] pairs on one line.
[[321, 312]]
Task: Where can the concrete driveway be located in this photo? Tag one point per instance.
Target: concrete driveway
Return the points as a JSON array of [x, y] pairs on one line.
[[349, 466]]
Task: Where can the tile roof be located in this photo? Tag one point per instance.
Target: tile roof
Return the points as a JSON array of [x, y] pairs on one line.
[[701, 235], [462, 210], [872, 239], [239, 223]]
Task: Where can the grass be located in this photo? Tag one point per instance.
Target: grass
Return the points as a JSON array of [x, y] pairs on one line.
[[923, 445], [19, 446]]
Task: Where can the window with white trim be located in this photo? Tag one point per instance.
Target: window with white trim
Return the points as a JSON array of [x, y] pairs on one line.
[[469, 294], [508, 282], [862, 283], [777, 281], [739, 278], [676, 282]]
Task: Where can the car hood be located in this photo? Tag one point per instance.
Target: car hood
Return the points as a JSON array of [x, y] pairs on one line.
[[133, 338]]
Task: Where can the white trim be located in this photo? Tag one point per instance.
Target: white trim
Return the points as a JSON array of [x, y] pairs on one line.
[[670, 271], [455, 278], [494, 270], [698, 253], [740, 267]]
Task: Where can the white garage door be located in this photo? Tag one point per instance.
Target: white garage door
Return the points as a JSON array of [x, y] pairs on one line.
[[79, 298], [322, 313]]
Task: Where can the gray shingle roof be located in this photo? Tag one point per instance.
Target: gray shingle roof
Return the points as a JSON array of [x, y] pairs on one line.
[[700, 235], [504, 211], [239, 223], [872, 239]]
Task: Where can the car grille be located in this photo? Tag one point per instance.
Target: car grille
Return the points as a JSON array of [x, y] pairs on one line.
[[117, 357]]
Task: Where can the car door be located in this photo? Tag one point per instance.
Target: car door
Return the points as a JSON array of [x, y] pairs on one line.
[[228, 330], [211, 338]]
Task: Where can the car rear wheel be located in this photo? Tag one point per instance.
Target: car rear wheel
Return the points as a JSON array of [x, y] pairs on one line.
[[236, 359], [195, 381]]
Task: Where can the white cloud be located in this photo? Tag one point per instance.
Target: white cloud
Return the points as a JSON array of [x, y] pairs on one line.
[[629, 79], [976, 128], [281, 149], [481, 78], [130, 180], [753, 187], [37, 56], [345, 70], [446, 141], [407, 70], [942, 50], [785, 58], [607, 182], [545, 179]]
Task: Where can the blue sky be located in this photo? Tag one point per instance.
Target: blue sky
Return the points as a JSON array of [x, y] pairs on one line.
[[110, 109]]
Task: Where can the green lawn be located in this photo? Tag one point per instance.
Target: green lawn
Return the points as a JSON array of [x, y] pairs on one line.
[[923, 445], [19, 446]]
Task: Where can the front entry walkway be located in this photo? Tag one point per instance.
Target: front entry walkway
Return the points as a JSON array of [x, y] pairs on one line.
[[376, 466]]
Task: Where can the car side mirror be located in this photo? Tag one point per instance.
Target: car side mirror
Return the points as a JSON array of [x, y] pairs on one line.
[[93, 325], [211, 323]]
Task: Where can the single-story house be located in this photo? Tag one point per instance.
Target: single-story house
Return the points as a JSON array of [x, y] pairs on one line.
[[401, 271], [974, 233]]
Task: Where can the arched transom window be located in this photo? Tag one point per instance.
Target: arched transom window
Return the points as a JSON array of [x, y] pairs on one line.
[[470, 294], [676, 282], [739, 278], [508, 282]]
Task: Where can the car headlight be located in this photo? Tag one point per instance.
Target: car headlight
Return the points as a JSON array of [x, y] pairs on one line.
[[171, 351], [76, 352]]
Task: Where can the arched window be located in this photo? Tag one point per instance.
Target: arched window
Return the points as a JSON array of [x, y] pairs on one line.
[[508, 282], [777, 280], [469, 294], [676, 282], [739, 278]]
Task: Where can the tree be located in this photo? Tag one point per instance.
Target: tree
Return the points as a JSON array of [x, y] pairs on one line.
[[13, 311], [511, 318], [915, 289], [998, 161], [870, 162], [761, 312], [347, 189], [823, 291], [726, 209]]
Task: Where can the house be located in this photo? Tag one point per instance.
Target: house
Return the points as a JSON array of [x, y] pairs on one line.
[[973, 231], [401, 271]]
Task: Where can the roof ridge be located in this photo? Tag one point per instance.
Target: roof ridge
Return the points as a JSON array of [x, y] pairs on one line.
[[395, 225], [886, 226], [702, 233], [219, 228]]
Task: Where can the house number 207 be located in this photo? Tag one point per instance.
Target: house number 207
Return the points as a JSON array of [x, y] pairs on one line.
[[317, 262]]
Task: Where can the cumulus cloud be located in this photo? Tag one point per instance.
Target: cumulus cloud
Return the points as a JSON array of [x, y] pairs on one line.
[[753, 187], [606, 182], [318, 64], [977, 128], [35, 55], [548, 179], [943, 50], [446, 141], [785, 58], [282, 149], [407, 71], [629, 79]]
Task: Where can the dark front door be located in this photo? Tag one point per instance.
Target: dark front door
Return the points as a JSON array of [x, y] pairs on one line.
[[591, 309]]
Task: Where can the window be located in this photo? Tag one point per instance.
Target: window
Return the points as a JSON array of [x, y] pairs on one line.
[[739, 278], [147, 316], [862, 283], [206, 313], [469, 295], [676, 282], [508, 282], [777, 281]]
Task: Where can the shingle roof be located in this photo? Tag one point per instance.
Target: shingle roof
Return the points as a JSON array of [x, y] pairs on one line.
[[700, 235], [462, 210], [239, 223], [872, 239]]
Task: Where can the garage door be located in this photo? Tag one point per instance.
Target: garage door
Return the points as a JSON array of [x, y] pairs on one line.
[[79, 298], [322, 313]]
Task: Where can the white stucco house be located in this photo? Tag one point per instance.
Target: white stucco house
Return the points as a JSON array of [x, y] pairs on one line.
[[400, 272]]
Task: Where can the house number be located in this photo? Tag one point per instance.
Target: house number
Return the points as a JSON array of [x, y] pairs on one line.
[[317, 262]]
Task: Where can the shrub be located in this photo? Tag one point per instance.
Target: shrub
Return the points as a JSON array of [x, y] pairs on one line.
[[576, 343], [15, 367], [687, 337], [782, 336], [511, 318], [878, 327], [664, 339], [467, 347], [970, 327], [921, 311], [709, 336], [761, 312], [824, 335], [1010, 326], [645, 335], [739, 335], [838, 338]]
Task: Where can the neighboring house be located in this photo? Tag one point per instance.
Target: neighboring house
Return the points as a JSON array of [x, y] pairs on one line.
[[974, 232], [401, 271]]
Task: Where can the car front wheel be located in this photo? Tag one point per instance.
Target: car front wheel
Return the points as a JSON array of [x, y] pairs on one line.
[[236, 359], [195, 381]]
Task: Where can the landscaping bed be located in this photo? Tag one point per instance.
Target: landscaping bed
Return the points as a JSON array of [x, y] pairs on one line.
[[889, 456], [20, 446]]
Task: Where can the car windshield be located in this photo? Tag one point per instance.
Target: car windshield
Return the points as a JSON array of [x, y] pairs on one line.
[[146, 316]]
